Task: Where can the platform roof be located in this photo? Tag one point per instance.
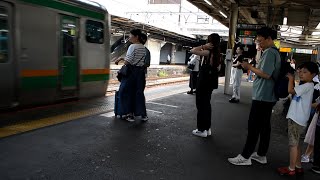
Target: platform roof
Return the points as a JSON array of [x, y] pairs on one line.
[[121, 25], [303, 16]]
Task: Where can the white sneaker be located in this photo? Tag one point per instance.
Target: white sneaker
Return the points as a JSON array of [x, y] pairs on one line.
[[259, 159], [196, 132], [209, 132], [305, 158], [144, 118], [240, 161], [129, 118]]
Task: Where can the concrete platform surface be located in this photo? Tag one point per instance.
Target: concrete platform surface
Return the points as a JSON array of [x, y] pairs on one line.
[[103, 147]]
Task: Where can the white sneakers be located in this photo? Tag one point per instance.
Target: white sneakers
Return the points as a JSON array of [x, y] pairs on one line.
[[144, 118], [204, 133], [241, 161], [209, 132], [196, 132], [259, 159], [306, 159]]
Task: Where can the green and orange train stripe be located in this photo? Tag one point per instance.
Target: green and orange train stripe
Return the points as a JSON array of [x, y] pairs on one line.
[[88, 75], [40, 79]]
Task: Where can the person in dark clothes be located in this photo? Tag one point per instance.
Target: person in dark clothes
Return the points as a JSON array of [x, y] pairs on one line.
[[207, 81]]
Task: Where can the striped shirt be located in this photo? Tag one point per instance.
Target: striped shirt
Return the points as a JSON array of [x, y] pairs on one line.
[[136, 54]]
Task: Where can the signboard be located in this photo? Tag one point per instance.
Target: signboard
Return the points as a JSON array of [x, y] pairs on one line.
[[285, 49], [297, 50], [304, 51], [248, 30]]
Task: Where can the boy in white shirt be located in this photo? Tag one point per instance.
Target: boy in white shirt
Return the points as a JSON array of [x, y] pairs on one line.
[[298, 115]]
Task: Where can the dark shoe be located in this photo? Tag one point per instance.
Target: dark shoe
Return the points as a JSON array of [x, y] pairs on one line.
[[190, 92], [299, 171], [286, 171], [234, 100], [316, 169]]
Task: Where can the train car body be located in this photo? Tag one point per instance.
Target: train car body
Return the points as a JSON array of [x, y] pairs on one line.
[[52, 50]]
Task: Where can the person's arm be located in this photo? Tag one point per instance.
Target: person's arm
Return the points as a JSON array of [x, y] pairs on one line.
[[202, 50], [130, 55], [257, 71], [266, 69], [239, 61], [118, 60], [314, 105], [237, 64], [291, 84]]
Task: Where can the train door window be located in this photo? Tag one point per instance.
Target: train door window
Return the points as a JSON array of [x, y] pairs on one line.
[[94, 32], [69, 30], [4, 34]]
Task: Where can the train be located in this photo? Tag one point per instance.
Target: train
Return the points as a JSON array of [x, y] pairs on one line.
[[52, 50]]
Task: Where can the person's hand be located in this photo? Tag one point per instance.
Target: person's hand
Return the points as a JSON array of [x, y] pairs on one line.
[[207, 46], [318, 108], [245, 65], [290, 76], [117, 61]]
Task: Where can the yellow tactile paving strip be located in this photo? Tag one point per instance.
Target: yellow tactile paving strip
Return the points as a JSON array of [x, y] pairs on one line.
[[44, 122]]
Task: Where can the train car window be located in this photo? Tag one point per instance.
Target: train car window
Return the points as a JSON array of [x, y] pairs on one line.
[[94, 32], [4, 32], [69, 37]]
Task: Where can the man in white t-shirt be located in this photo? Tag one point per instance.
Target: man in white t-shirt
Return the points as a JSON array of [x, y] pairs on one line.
[[298, 115]]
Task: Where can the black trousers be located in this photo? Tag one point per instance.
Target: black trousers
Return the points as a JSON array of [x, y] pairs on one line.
[[316, 149], [258, 127], [193, 79], [207, 81]]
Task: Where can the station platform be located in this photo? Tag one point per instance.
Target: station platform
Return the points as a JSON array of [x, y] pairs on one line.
[[86, 141]]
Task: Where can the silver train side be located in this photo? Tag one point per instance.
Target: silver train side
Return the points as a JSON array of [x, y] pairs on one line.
[[52, 50]]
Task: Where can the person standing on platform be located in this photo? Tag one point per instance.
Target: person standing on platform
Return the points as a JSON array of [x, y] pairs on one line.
[[207, 82], [237, 60], [195, 60], [316, 151], [263, 99], [298, 115], [131, 91]]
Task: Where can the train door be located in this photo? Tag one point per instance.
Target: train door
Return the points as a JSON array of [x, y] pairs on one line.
[[7, 65], [69, 65]]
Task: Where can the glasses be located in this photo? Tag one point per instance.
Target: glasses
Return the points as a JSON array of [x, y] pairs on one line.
[[258, 41]]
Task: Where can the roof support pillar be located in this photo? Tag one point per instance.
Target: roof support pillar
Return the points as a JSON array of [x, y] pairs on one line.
[[232, 35]]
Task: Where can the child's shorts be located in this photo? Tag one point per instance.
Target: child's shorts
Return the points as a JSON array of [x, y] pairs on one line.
[[294, 133]]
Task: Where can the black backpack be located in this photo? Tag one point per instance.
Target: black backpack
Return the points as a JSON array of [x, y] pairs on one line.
[[281, 83]]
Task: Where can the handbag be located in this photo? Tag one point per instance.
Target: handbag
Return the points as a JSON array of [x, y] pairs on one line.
[[124, 71]]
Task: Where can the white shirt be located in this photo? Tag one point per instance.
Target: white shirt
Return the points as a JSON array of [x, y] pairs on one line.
[[195, 59], [316, 79], [300, 107], [293, 65]]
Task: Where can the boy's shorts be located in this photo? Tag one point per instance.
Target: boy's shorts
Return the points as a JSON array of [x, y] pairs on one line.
[[294, 133]]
